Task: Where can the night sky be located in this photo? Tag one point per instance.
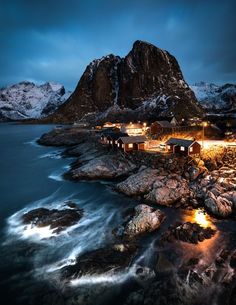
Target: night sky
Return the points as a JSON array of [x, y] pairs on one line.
[[54, 40]]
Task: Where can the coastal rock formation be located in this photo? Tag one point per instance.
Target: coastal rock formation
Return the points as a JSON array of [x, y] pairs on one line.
[[104, 167], [63, 137], [188, 232], [169, 189], [147, 82], [139, 183], [56, 219], [146, 219]]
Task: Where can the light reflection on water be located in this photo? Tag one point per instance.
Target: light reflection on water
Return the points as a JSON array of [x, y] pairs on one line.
[[206, 250]]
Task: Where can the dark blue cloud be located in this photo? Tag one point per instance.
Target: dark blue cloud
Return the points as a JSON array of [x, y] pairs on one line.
[[55, 40]]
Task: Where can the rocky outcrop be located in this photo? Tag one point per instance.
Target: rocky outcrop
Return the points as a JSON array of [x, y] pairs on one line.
[[56, 219], [167, 190], [147, 82], [104, 167], [139, 183], [188, 232], [63, 137]]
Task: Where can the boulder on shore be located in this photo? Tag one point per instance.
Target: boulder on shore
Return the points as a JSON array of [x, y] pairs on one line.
[[144, 219], [169, 189], [221, 205], [104, 167]]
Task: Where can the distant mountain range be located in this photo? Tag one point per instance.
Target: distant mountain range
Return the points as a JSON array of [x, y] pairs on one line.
[[216, 99], [26, 100], [143, 85]]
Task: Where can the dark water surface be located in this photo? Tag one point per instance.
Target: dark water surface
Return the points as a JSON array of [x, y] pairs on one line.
[[30, 176]]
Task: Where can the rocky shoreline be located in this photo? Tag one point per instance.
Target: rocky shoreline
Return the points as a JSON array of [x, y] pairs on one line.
[[156, 181]]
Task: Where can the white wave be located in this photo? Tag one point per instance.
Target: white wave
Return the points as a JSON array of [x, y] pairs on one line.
[[106, 278], [33, 142], [52, 155], [57, 176]]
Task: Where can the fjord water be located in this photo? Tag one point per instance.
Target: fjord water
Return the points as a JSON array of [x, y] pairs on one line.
[[31, 176]]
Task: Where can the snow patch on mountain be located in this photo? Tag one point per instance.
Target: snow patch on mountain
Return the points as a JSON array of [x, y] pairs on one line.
[[27, 100]]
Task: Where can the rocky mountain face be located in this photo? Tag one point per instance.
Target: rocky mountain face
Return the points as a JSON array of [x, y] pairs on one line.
[[216, 99], [26, 100], [144, 84]]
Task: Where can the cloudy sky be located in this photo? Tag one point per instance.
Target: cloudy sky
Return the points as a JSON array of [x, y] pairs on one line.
[[55, 39]]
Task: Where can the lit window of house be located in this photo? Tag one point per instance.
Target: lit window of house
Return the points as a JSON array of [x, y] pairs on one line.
[[116, 142], [168, 146], [182, 148], [130, 145], [122, 145], [191, 149]]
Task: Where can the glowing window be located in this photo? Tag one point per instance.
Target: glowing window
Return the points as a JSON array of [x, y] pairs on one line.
[[182, 148], [191, 149], [130, 145], [168, 146]]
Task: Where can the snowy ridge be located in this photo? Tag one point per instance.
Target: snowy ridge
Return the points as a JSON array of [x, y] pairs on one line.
[[27, 100], [215, 98]]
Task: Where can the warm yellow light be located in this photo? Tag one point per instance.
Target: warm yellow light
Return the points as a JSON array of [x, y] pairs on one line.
[[205, 124], [201, 218]]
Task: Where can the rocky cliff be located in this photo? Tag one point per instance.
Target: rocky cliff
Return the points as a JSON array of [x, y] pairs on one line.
[[144, 84]]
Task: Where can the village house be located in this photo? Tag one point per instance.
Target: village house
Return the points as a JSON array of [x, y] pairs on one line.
[[132, 143], [160, 126], [133, 129], [112, 138], [182, 146]]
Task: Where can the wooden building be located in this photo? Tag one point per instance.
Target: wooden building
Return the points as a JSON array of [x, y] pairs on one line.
[[113, 137], [182, 146], [160, 126], [132, 143], [133, 129]]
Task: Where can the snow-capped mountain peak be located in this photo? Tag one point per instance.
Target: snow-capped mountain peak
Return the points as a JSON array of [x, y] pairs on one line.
[[28, 100], [215, 98]]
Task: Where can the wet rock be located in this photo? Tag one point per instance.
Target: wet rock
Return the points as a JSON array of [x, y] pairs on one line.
[[109, 260], [57, 220], [146, 219], [139, 183], [169, 189], [104, 167], [188, 232]]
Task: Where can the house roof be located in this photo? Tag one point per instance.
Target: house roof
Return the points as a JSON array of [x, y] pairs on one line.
[[116, 135], [165, 118], [135, 139], [165, 124], [180, 142]]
